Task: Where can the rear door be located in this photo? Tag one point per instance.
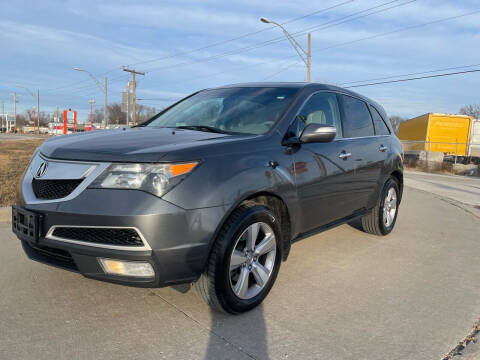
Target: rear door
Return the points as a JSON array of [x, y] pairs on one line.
[[324, 172], [368, 150]]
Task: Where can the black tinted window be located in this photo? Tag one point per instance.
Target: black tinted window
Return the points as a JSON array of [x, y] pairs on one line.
[[356, 121], [380, 126], [322, 108]]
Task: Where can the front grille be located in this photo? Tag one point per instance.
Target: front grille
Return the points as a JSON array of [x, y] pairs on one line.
[[54, 189], [104, 236]]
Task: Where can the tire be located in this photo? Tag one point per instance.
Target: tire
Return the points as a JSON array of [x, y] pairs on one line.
[[219, 286], [375, 222]]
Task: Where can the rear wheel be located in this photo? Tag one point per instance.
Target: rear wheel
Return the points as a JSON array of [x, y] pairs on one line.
[[244, 262], [382, 218]]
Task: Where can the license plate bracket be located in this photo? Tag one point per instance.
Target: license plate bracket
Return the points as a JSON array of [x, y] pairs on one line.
[[25, 224]]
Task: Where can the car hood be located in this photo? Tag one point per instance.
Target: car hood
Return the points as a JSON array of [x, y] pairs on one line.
[[142, 144]]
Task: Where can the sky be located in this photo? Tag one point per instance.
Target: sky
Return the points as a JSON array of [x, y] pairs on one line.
[[186, 45]]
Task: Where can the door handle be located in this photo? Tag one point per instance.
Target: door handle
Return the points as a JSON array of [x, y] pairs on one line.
[[344, 155], [382, 148]]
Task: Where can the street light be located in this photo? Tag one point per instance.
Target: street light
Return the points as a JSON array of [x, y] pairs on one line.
[[298, 48], [103, 88]]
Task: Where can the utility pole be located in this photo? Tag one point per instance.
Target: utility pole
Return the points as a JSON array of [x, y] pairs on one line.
[[91, 102], [134, 96], [105, 102], [309, 56], [34, 120], [14, 112], [38, 110], [3, 116], [128, 101]]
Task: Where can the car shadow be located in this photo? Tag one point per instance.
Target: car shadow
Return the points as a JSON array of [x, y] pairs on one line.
[[356, 224], [231, 337], [241, 336]]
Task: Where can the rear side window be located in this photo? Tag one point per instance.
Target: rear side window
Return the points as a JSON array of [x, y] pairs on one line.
[[356, 118], [380, 127]]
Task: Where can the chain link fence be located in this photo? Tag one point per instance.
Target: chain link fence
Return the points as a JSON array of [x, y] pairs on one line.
[[442, 157]]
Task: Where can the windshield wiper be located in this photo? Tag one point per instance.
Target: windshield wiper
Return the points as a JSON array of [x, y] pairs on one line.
[[202, 128]]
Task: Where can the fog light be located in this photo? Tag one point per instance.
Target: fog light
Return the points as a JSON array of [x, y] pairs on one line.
[[127, 268]]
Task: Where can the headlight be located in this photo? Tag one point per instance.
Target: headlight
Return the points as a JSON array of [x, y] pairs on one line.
[[156, 179]]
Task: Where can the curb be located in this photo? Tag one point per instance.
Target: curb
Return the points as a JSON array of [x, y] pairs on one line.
[[5, 214]]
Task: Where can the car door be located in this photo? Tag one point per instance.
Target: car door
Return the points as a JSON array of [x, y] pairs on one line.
[[368, 153], [324, 172]]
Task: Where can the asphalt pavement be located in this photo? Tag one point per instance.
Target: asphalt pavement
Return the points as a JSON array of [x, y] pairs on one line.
[[462, 191], [342, 294]]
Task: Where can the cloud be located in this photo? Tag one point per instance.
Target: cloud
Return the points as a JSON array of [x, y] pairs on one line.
[[101, 36]]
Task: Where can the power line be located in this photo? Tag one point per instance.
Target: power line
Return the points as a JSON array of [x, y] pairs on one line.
[[323, 26], [401, 29], [414, 78], [351, 17], [277, 39], [217, 43], [242, 36], [281, 70], [410, 74], [394, 32]]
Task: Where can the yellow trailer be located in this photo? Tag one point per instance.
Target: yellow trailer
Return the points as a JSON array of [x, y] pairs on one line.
[[448, 134]]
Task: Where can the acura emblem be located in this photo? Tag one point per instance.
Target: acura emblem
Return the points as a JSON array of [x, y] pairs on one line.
[[42, 169]]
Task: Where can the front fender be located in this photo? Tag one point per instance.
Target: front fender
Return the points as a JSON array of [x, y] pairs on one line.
[[226, 179]]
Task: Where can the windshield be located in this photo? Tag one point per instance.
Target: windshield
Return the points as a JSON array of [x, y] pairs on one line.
[[233, 110]]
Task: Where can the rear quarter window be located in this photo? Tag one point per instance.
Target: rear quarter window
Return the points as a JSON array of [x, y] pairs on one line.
[[380, 127]]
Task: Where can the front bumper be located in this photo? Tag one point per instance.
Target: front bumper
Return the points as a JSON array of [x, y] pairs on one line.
[[178, 240]]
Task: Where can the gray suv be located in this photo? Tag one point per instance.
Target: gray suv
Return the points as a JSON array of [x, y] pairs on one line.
[[213, 190]]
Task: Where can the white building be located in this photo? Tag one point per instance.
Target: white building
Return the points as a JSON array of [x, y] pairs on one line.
[[6, 122]]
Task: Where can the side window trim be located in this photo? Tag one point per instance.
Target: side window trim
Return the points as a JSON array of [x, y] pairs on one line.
[[370, 107], [370, 110], [340, 109], [308, 99]]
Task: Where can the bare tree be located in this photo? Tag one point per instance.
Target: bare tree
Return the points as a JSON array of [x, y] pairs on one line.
[[472, 110], [145, 112], [31, 115], [44, 118], [115, 114], [117, 117], [97, 116], [395, 120], [21, 120]]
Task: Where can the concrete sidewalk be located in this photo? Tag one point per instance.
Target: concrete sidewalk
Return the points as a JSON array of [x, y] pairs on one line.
[[342, 294], [5, 214]]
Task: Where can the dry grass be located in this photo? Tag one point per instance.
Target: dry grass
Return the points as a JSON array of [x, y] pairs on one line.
[[14, 158]]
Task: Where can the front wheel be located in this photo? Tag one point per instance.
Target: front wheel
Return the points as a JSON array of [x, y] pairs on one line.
[[244, 262], [382, 218]]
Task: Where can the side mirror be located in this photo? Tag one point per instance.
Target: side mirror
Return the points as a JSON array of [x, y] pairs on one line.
[[315, 133]]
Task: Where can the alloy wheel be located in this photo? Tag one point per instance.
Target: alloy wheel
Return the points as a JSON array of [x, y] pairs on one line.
[[252, 260], [390, 207]]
